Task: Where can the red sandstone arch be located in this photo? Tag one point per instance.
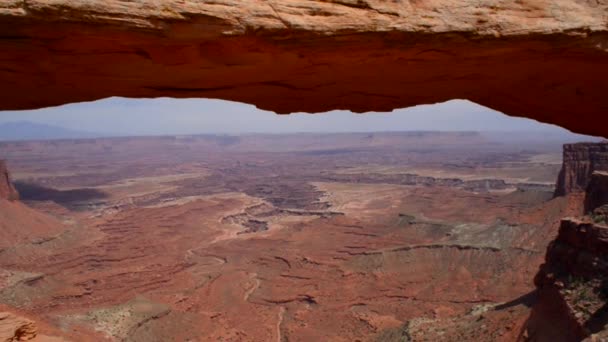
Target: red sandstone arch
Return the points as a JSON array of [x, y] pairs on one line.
[[546, 60]]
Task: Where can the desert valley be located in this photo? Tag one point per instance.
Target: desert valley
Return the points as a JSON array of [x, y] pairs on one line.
[[413, 236], [450, 216]]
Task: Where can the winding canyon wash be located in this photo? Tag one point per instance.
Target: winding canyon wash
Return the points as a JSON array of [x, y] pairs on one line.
[[350, 237], [417, 236]]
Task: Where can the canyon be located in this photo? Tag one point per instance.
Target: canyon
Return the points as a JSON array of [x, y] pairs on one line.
[[538, 59], [423, 236], [420, 236]]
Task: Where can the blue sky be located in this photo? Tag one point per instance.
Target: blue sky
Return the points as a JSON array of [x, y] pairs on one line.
[[120, 116]]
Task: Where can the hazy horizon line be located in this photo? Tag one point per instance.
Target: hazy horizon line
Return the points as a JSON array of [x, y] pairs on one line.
[[120, 117], [98, 135]]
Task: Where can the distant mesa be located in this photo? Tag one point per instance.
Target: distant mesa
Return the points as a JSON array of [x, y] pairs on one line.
[[579, 162]]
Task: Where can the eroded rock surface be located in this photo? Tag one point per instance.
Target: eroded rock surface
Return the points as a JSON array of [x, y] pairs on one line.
[[545, 60], [16, 328], [579, 162], [18, 222], [7, 190], [572, 284], [272, 238], [596, 197]]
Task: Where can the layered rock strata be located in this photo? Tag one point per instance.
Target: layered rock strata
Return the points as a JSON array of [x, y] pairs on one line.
[[596, 198], [579, 162], [573, 284], [543, 60]]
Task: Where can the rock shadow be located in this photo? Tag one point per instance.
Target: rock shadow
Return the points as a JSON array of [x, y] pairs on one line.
[[72, 199]]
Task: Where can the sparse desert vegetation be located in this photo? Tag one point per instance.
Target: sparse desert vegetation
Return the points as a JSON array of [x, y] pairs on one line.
[[256, 238]]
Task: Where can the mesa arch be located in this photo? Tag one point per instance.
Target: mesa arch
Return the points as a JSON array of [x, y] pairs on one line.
[[542, 59]]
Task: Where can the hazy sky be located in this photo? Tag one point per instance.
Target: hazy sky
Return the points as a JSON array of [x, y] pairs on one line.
[[191, 116]]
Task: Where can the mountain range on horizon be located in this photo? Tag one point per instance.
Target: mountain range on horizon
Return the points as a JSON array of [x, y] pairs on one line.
[[26, 130]]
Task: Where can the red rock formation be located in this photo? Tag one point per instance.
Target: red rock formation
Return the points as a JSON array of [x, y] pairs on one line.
[[572, 284], [16, 328], [16, 325], [544, 60], [579, 162], [7, 191], [18, 222], [597, 192]]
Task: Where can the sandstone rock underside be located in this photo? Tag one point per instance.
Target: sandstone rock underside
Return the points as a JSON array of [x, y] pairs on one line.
[[540, 59]]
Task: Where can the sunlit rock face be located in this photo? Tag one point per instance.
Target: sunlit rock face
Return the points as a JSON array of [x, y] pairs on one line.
[[7, 191], [579, 162], [16, 328], [546, 60]]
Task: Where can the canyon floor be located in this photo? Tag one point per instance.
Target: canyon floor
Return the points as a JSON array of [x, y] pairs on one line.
[[306, 237]]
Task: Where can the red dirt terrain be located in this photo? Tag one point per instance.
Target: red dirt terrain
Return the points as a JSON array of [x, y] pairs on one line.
[[7, 190], [337, 237]]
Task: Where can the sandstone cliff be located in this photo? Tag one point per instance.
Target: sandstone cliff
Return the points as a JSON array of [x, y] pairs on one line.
[[579, 162], [596, 199], [7, 191], [542, 59], [572, 284]]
